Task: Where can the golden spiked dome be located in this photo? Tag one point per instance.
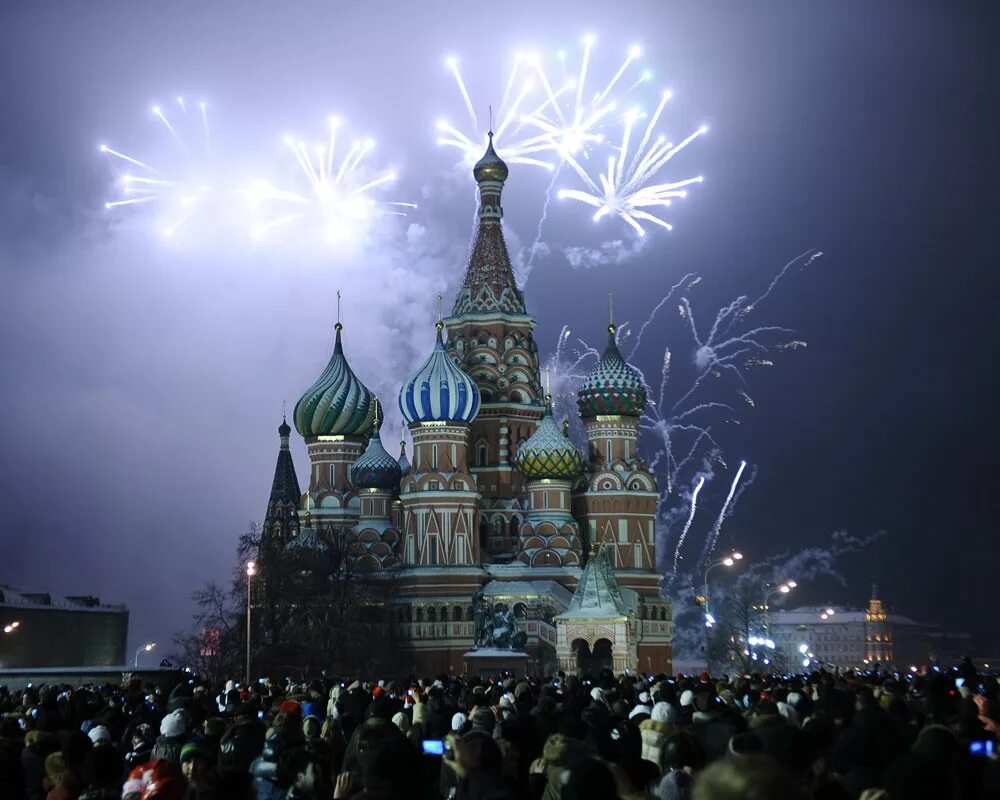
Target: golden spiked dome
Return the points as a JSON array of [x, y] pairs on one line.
[[490, 167]]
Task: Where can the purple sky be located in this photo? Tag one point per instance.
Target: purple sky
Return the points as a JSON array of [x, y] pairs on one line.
[[144, 380]]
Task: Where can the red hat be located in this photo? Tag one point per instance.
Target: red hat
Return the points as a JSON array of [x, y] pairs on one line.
[[705, 677], [378, 691], [155, 780], [289, 707]]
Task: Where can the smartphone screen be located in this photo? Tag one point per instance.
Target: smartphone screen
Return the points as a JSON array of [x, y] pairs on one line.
[[981, 748], [260, 715], [433, 747]]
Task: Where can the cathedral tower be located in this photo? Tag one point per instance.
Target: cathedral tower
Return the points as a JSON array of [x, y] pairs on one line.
[[335, 416], [281, 521], [619, 505], [440, 503], [490, 335]]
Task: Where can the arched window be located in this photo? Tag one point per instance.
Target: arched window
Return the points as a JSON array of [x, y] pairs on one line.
[[515, 527], [481, 454], [420, 614], [434, 456], [432, 614], [456, 614], [444, 614], [470, 614]]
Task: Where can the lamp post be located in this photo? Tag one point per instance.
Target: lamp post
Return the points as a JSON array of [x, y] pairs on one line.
[[251, 571], [144, 649], [785, 588], [728, 561]]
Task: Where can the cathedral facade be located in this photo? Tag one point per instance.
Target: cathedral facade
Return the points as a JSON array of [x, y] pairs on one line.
[[494, 502]]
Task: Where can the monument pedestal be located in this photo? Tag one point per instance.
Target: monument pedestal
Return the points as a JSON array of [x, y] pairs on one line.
[[491, 662]]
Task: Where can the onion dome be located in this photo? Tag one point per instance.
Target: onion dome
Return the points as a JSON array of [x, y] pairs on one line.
[[284, 430], [337, 404], [490, 167], [439, 391], [403, 461], [376, 469], [612, 387], [547, 453]]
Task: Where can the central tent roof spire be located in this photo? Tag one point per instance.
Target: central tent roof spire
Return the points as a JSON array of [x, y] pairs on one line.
[[489, 285]]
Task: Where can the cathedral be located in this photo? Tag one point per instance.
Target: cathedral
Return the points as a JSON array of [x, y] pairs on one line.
[[495, 504]]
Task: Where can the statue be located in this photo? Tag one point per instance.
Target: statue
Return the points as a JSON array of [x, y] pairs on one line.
[[496, 625]]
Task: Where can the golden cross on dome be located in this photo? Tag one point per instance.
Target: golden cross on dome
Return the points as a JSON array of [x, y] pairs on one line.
[[440, 320], [378, 413], [611, 312], [548, 384]]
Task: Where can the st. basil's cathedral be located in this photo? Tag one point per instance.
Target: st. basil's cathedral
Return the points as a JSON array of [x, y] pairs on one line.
[[496, 503]]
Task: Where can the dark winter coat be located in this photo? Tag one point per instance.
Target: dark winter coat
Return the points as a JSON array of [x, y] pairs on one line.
[[240, 745], [11, 773], [168, 748]]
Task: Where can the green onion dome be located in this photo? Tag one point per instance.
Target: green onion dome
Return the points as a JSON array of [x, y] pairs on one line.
[[612, 387], [547, 453], [337, 403]]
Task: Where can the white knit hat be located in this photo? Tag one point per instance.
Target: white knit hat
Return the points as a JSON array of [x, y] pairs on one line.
[[635, 712], [662, 712], [687, 698], [99, 734], [173, 724], [458, 721], [597, 693]]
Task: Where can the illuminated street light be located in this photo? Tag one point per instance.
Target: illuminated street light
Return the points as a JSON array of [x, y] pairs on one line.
[[11, 627], [251, 571], [144, 649], [728, 561]]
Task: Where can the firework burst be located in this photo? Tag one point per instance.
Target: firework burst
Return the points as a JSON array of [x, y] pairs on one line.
[[180, 182], [340, 194], [628, 189]]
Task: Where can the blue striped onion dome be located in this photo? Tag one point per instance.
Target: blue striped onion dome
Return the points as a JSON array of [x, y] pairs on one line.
[[337, 404], [547, 453], [612, 387], [439, 391], [376, 469]]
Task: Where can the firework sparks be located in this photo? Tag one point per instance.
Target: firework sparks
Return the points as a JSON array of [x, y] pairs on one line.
[[511, 141], [178, 187], [627, 189], [340, 195], [713, 536], [687, 526], [689, 404]]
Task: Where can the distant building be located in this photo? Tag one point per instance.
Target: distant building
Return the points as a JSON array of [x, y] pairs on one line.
[[851, 637], [46, 631]]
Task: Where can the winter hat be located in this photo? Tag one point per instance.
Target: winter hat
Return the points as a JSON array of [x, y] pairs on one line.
[[663, 712], [289, 707], [378, 691], [507, 701], [561, 750], [99, 734], [635, 712], [196, 748], [597, 693], [458, 722], [521, 689], [173, 724], [401, 721], [644, 698], [484, 719], [687, 698], [215, 727]]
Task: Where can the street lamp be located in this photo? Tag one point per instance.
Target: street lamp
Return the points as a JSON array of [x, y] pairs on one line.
[[251, 571], [145, 648], [728, 561], [11, 627], [785, 588]]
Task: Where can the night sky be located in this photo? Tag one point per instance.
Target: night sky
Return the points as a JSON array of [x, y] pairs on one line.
[[143, 379]]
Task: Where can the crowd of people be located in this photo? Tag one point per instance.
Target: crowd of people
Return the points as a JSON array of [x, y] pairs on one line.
[[826, 736]]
